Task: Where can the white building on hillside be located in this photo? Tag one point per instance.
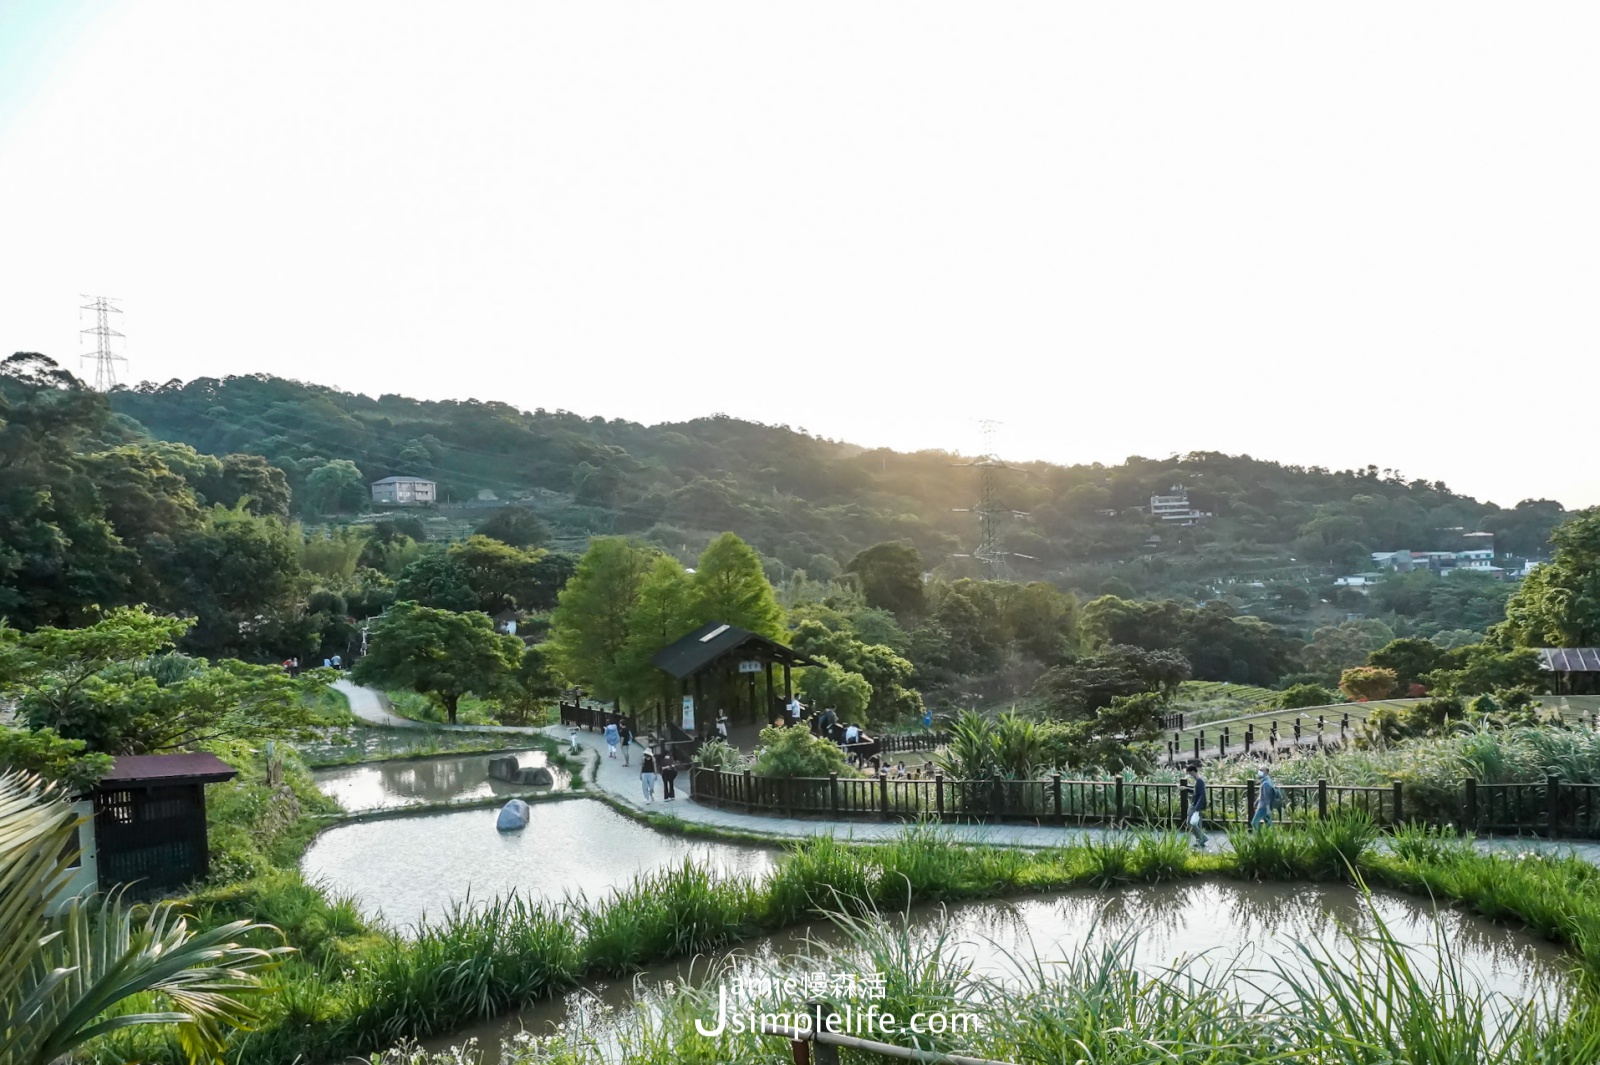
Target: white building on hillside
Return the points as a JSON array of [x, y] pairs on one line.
[[404, 492], [1175, 508]]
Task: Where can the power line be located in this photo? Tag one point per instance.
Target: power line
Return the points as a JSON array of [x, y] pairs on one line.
[[105, 361]]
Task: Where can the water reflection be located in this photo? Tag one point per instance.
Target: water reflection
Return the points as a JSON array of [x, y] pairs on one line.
[[1250, 928], [404, 867], [449, 778]]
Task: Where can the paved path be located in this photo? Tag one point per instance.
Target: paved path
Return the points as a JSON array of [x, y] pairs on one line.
[[369, 705], [621, 782]]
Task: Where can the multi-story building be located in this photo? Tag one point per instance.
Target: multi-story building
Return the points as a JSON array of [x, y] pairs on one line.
[[404, 492], [1175, 508]]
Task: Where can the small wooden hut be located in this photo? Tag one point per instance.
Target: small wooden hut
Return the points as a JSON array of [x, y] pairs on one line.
[[725, 662], [150, 819]]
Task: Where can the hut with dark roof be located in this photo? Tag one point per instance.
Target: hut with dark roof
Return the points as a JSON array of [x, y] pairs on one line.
[[150, 819], [727, 660]]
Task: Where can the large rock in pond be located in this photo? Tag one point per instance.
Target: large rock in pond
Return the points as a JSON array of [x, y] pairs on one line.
[[504, 768], [513, 815]]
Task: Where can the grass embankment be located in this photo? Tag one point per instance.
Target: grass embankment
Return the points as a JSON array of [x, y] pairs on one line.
[[472, 710], [379, 743], [354, 989]]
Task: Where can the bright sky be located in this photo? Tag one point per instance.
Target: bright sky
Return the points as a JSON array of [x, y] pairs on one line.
[[1333, 234]]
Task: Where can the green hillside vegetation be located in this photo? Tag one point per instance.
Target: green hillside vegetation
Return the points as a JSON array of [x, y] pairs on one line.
[[812, 504]]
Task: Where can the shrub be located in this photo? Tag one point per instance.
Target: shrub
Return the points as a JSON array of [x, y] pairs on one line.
[[1368, 682], [1302, 695], [795, 752]]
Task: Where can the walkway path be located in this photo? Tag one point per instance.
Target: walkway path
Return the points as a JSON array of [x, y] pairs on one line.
[[621, 782], [369, 705]]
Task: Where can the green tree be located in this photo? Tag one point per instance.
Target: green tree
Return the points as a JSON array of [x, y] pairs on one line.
[[335, 487], [1558, 604], [240, 575], [438, 653], [333, 553], [1409, 658], [590, 627], [1335, 648], [1044, 621], [501, 576], [1480, 668], [730, 586], [517, 526], [526, 692], [99, 967], [1362, 683], [1081, 688], [891, 577], [437, 580], [662, 613], [829, 685], [116, 686]]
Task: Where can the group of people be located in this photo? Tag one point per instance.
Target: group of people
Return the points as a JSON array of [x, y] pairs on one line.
[[860, 748], [1268, 800], [291, 666], [651, 768]]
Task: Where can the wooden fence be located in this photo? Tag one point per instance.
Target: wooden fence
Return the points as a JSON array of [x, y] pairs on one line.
[[1550, 808], [912, 741], [594, 718], [1296, 733]]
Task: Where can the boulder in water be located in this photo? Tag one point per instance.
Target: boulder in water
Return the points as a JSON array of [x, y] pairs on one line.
[[513, 815], [504, 768]]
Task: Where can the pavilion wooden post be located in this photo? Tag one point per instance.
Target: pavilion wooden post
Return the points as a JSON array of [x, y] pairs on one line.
[[771, 695], [788, 686], [765, 715], [699, 703]]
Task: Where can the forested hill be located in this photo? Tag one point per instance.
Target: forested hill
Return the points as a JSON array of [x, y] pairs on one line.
[[810, 503]]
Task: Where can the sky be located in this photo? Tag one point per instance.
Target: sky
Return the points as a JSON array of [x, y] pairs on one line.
[[1335, 235]]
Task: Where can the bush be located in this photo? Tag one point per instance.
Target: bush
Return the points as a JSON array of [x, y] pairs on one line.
[[795, 752], [1303, 695]]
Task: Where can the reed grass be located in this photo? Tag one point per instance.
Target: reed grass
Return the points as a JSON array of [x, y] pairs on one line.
[[1377, 1001], [354, 988]]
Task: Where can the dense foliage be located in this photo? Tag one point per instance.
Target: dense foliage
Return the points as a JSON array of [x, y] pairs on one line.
[[813, 504]]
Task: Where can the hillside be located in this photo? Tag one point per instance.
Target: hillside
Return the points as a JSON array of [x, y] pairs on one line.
[[811, 504]]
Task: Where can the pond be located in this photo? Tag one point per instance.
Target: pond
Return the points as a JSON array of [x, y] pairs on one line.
[[401, 868], [414, 782], [1218, 922]]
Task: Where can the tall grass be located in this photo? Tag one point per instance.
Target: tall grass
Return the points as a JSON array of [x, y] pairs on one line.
[[355, 988], [1376, 1000]]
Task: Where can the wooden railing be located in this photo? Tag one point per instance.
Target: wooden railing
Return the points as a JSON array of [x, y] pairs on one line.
[[594, 718], [1256, 738], [1554, 807]]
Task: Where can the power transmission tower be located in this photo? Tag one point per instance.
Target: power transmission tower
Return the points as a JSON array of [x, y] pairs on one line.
[[105, 360], [989, 554]]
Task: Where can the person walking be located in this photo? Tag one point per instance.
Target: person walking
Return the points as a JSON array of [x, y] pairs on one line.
[[625, 738], [669, 777], [612, 738], [647, 775], [1268, 799], [1197, 804]]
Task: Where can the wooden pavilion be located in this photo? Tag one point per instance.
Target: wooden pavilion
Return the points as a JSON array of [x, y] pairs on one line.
[[717, 666]]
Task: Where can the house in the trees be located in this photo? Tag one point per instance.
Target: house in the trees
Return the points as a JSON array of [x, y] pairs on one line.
[[405, 492]]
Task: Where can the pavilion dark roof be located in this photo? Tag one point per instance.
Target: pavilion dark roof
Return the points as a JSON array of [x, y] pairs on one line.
[[192, 767], [713, 640], [1570, 659]]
